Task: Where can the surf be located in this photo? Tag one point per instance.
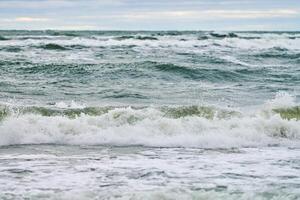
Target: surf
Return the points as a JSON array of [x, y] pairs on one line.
[[167, 126]]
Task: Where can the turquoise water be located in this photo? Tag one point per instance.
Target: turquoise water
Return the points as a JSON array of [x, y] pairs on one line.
[[203, 115]]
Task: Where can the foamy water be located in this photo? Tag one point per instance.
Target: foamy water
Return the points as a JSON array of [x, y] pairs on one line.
[[149, 115]]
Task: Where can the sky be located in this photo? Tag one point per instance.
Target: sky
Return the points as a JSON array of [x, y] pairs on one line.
[[263, 15]]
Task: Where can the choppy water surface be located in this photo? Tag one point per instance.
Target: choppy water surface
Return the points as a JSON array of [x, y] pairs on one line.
[[157, 115]]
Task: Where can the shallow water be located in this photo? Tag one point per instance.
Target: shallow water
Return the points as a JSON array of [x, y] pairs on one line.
[[149, 115], [93, 172]]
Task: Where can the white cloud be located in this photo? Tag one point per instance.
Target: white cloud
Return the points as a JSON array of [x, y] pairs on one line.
[[144, 14], [30, 19], [26, 19], [76, 27], [46, 4], [213, 14]]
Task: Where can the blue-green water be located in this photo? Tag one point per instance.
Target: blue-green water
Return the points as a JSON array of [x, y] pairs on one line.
[[231, 69], [203, 115]]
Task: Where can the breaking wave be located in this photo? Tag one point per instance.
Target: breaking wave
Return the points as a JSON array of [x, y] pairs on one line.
[[166, 126], [193, 40]]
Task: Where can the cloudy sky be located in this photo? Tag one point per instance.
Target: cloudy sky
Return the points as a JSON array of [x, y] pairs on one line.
[[150, 14]]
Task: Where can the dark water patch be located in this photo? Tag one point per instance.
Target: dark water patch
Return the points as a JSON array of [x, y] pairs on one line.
[[3, 38], [130, 46], [221, 36], [250, 37], [70, 34], [50, 32], [226, 35], [198, 73], [38, 37], [121, 71], [278, 55], [19, 171], [58, 69], [63, 33], [173, 33], [76, 46], [285, 77], [294, 37], [181, 70], [13, 63], [204, 37], [241, 176], [279, 49], [53, 46], [120, 48], [11, 49], [253, 71], [185, 54], [216, 45], [232, 35], [146, 38], [122, 95], [125, 37]]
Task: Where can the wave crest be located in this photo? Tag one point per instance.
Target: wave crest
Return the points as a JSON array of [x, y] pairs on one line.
[[190, 126]]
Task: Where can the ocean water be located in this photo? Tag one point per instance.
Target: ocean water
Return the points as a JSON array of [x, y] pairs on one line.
[[149, 115]]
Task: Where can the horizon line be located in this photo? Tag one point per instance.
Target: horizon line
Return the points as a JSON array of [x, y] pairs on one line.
[[150, 30]]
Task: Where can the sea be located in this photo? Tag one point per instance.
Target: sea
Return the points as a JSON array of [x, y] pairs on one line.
[[149, 115]]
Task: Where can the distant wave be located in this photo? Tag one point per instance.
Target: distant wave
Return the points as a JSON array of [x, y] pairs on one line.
[[146, 38], [202, 37], [54, 69], [125, 37], [215, 35], [192, 40], [278, 53], [11, 49], [35, 38], [148, 69], [63, 33], [211, 74], [52, 46], [228, 35], [3, 38], [139, 37], [60, 47]]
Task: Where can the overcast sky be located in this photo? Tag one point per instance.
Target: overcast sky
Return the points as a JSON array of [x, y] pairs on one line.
[[150, 14]]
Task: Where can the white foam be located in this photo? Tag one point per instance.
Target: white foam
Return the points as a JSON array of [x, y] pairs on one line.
[[281, 100], [236, 61], [126, 126], [71, 104], [265, 41]]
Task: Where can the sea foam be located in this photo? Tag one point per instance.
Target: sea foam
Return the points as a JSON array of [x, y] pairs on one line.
[[183, 126]]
